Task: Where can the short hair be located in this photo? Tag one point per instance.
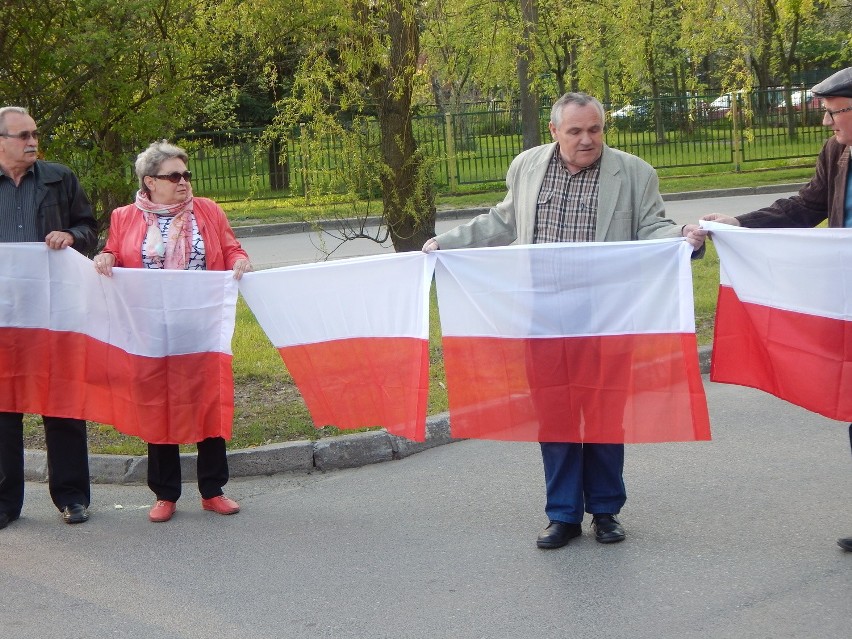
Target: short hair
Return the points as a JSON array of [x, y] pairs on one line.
[[580, 99], [148, 162], [10, 109]]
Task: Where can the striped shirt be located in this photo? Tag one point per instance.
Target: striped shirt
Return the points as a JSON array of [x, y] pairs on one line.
[[18, 209], [567, 208]]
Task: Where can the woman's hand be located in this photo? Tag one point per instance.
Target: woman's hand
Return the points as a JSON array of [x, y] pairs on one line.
[[104, 263], [240, 267]]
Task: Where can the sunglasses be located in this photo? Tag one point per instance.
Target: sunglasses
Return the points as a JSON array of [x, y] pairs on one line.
[[23, 135], [174, 177]]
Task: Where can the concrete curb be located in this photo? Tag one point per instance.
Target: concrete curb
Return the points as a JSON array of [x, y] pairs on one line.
[[332, 453], [286, 228], [744, 190]]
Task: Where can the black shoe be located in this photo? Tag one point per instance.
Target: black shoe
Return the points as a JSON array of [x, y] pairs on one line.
[[845, 543], [607, 529], [557, 534], [75, 514], [6, 519]]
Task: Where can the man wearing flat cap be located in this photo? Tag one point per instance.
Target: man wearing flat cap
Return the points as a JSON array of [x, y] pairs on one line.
[[829, 193]]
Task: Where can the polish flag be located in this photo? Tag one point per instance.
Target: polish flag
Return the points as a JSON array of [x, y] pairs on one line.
[[586, 342], [783, 320], [354, 334], [147, 351]]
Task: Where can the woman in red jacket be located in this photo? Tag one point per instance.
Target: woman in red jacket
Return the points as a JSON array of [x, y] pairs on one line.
[[169, 228]]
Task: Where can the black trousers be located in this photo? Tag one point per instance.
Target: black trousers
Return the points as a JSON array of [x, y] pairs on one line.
[[164, 469], [67, 462]]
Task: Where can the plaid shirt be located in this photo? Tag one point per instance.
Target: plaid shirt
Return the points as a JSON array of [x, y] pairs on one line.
[[567, 209]]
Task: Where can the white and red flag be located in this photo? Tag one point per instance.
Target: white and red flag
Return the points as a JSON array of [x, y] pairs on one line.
[[586, 342], [354, 334], [784, 315], [147, 351]]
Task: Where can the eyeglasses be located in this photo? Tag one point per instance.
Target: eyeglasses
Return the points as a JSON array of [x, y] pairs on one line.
[[23, 135], [174, 177], [831, 114]]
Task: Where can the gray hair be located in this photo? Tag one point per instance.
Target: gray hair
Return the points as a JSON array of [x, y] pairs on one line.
[[580, 99], [149, 161], [9, 109]]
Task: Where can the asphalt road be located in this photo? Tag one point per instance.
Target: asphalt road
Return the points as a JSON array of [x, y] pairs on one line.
[[299, 248], [733, 538]]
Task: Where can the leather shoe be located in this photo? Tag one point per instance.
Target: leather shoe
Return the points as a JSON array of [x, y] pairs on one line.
[[607, 528], [845, 543], [75, 514], [162, 511], [5, 520], [220, 504], [557, 534]]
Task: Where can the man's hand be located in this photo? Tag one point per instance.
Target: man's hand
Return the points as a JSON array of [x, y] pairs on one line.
[[694, 234], [431, 245], [721, 219], [59, 239]]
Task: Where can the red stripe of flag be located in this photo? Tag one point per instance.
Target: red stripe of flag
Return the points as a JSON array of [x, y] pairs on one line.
[[364, 381], [599, 389], [802, 358], [170, 399]]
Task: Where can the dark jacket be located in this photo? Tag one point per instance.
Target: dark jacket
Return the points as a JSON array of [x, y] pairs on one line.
[[823, 197], [62, 205]]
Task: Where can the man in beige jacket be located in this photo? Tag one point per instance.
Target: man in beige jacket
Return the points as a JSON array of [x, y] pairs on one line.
[[576, 189]]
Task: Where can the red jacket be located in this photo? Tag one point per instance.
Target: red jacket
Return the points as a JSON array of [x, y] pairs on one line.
[[127, 229]]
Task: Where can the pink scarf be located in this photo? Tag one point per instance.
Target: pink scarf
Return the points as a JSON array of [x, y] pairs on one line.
[[175, 254]]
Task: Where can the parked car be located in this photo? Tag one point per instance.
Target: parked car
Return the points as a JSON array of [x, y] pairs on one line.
[[675, 112], [801, 98], [630, 111], [720, 107]]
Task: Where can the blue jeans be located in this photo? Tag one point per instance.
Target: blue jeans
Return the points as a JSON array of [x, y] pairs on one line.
[[583, 478]]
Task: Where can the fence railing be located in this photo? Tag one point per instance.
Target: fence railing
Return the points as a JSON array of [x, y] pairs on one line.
[[477, 146]]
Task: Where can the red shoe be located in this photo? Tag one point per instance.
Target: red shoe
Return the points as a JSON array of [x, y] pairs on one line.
[[162, 511], [221, 504]]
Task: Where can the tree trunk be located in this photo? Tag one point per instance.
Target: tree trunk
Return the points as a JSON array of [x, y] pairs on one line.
[[109, 196], [530, 129], [407, 192], [279, 168]]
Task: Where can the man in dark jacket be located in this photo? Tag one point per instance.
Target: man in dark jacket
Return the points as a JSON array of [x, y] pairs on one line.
[[829, 193], [42, 201]]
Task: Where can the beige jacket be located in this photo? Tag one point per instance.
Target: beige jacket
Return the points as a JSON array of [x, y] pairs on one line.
[[629, 203]]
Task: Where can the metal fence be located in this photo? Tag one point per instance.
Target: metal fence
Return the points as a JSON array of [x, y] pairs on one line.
[[476, 146]]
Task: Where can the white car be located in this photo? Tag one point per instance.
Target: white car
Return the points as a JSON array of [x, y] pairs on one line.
[[628, 111]]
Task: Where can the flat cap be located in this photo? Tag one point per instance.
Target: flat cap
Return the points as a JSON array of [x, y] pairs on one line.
[[838, 85]]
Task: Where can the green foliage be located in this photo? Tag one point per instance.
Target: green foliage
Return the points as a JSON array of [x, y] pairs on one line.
[[102, 96]]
